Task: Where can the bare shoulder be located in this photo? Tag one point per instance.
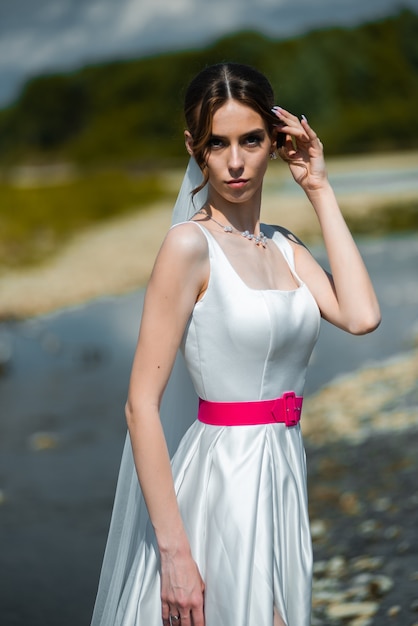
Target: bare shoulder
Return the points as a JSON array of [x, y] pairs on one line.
[[186, 240], [184, 253]]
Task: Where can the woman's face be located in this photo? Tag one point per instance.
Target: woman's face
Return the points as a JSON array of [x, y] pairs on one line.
[[238, 154]]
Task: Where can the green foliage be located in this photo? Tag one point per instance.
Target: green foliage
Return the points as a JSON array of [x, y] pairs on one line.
[[390, 218], [358, 87], [36, 219]]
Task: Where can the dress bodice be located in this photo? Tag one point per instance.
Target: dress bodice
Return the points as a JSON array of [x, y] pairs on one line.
[[244, 344]]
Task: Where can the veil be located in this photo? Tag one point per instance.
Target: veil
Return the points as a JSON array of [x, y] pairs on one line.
[[130, 519]]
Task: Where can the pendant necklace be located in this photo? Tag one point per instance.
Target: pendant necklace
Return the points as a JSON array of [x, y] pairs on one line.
[[259, 240]]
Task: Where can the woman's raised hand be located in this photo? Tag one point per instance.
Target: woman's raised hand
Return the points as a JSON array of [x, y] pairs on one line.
[[302, 150], [182, 591]]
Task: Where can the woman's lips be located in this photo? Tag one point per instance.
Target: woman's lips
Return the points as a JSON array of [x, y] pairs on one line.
[[238, 183]]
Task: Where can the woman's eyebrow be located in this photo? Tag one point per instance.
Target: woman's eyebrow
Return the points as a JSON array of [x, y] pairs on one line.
[[256, 131]]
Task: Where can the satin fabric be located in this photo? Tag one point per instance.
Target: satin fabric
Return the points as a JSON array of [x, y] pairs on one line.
[[241, 490]]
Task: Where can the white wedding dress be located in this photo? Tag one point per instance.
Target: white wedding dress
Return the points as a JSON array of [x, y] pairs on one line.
[[241, 489]]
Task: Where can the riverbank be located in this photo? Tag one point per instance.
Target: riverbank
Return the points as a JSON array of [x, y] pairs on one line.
[[62, 429], [116, 256]]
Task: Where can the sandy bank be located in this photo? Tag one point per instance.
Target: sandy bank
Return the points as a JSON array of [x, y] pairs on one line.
[[117, 256]]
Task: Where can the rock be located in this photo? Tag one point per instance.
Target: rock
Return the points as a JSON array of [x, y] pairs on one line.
[[318, 529], [350, 503], [366, 563], [382, 504], [403, 547], [324, 598], [369, 527], [361, 621], [43, 441], [380, 585], [414, 606], [346, 610], [336, 567], [392, 532], [320, 567], [394, 611]]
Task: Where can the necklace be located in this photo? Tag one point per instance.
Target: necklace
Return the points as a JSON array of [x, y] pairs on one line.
[[259, 240]]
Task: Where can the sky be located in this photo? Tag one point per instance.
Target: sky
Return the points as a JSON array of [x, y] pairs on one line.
[[38, 36]]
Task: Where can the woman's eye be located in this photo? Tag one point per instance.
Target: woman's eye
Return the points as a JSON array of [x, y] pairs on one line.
[[215, 142], [253, 140]]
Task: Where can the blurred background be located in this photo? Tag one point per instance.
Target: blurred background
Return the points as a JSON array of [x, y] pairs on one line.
[[91, 157]]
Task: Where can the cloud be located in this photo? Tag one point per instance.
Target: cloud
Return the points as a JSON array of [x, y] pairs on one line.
[[69, 33]]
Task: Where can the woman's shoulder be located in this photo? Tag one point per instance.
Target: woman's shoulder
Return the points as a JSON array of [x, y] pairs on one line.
[[186, 239], [284, 234]]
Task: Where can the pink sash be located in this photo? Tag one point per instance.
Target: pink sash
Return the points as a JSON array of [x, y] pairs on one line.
[[286, 409]]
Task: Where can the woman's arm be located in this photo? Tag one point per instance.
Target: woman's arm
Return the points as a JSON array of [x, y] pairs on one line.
[[346, 298], [178, 278]]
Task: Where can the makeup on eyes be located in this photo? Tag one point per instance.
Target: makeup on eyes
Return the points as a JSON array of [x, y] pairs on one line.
[[256, 136]]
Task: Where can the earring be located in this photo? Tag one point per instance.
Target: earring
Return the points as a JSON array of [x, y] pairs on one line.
[[273, 155]]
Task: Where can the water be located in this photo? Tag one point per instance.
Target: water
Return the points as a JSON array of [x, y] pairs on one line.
[[67, 379]]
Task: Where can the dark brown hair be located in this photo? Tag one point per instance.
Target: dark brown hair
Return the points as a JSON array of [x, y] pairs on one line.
[[209, 91]]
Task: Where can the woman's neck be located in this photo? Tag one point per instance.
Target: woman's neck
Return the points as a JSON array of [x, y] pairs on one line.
[[241, 215]]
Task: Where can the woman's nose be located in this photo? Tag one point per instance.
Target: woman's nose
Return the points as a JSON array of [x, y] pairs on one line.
[[235, 160]]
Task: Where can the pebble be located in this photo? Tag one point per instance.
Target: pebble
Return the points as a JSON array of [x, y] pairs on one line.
[[348, 589], [337, 567], [361, 621], [350, 503], [392, 532], [352, 609], [354, 406], [43, 441], [382, 504], [394, 611], [369, 527], [380, 585], [362, 563], [404, 547], [318, 529]]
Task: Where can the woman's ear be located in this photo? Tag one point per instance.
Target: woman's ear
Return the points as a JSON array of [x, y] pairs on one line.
[[188, 140]]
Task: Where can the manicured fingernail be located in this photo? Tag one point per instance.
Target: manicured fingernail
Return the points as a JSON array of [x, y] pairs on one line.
[[276, 108], [304, 118]]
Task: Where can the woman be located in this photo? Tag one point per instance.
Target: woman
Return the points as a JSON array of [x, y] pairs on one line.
[[224, 537]]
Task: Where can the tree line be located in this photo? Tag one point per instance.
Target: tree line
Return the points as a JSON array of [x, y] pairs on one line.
[[357, 86]]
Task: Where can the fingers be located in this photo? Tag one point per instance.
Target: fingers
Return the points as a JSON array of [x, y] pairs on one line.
[[290, 124], [177, 616], [182, 593], [191, 618], [299, 128], [173, 617], [313, 137]]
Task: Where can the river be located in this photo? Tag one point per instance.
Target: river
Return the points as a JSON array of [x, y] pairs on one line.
[[62, 393]]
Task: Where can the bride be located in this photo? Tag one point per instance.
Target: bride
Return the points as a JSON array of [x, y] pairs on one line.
[[210, 523]]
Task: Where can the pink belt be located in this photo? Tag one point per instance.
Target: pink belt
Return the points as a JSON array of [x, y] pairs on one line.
[[286, 409]]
